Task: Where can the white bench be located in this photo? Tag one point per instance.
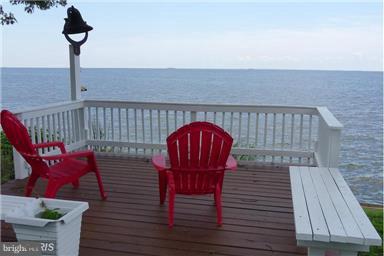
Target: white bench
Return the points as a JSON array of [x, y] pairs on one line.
[[327, 215]]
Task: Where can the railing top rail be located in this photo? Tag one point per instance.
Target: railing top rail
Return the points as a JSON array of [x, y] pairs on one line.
[[48, 109], [203, 107], [323, 112], [329, 118]]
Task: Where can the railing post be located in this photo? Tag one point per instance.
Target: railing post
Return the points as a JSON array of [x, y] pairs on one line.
[[328, 145], [20, 166]]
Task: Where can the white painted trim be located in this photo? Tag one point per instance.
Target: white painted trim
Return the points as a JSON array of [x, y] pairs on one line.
[[329, 118], [48, 109], [334, 245], [202, 107], [235, 151]]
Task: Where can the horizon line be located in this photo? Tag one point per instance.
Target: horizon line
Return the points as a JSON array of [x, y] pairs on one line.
[[191, 68]]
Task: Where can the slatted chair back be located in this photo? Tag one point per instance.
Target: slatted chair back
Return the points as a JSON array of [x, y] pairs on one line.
[[198, 153], [18, 136]]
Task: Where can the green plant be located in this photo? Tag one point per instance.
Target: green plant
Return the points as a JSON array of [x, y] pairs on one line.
[[50, 214], [376, 217], [7, 169]]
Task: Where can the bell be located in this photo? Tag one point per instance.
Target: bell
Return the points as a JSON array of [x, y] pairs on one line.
[[75, 24]]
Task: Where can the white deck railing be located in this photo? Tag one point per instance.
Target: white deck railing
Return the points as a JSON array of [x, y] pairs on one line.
[[280, 135]]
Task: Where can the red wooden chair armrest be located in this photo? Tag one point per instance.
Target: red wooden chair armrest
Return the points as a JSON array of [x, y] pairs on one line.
[[58, 144], [86, 153], [159, 162], [231, 163]]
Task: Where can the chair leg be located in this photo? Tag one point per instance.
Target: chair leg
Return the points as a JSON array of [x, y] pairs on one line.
[[31, 184], [100, 182], [218, 206], [52, 189], [76, 184], [162, 187], [171, 207]]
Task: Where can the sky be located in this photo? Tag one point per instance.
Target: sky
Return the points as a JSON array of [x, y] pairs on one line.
[[196, 34]]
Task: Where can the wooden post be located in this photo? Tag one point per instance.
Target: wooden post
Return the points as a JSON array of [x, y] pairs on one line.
[[328, 146], [74, 68]]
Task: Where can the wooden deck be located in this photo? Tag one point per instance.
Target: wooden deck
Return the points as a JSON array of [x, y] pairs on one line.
[[257, 214]]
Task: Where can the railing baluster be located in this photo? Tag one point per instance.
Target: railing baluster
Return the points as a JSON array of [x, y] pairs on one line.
[[97, 124], [231, 124], [44, 132], [143, 127], [274, 135], [65, 138], [68, 128], [49, 127], [223, 120], [79, 130], [175, 115], [38, 132], [214, 117], [310, 132], [27, 125], [283, 136], [73, 122], [120, 135], [239, 135], [159, 125], [205, 116], [257, 130], [54, 127], [135, 117], [32, 130], [292, 134], [265, 129], [167, 122], [59, 120], [309, 136], [105, 124], [193, 116], [127, 123], [112, 126], [265, 133], [151, 127], [248, 129], [89, 124], [183, 117], [301, 134]]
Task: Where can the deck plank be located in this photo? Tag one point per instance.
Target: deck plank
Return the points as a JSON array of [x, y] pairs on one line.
[[257, 213]]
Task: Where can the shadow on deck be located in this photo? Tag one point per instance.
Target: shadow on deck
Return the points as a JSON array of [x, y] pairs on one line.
[[257, 214]]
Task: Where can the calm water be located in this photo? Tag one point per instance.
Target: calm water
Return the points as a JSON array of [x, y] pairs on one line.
[[355, 98]]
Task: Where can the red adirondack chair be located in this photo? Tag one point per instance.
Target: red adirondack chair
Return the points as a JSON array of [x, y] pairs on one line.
[[199, 154], [66, 169]]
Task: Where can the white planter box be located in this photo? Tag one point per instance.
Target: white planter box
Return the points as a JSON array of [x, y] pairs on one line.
[[64, 231]]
